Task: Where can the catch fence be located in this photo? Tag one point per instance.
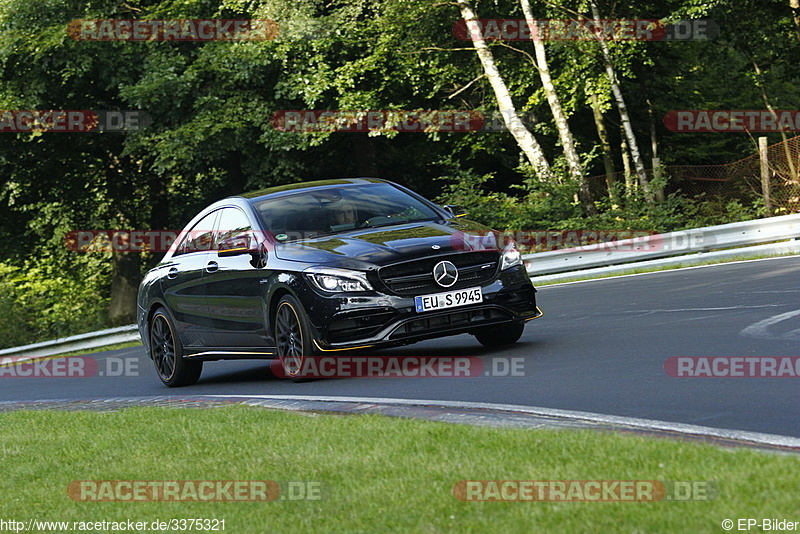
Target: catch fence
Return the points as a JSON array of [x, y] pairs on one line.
[[777, 184]]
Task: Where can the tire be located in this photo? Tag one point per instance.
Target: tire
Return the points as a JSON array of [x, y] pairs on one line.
[[292, 337], [167, 353], [497, 336]]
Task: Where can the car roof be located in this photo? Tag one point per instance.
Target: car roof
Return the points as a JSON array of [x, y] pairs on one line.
[[318, 184]]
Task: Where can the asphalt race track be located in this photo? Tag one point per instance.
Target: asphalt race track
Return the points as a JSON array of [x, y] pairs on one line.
[[600, 347]]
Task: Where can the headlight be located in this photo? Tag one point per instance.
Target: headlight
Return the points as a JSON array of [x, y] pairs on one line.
[[338, 280], [510, 257]]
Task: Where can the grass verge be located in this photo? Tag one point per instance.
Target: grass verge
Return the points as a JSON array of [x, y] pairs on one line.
[[377, 474], [126, 345]]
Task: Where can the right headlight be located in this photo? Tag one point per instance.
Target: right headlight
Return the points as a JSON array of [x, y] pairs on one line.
[[510, 257]]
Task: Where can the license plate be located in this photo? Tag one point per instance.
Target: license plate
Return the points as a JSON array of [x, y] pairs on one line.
[[450, 299]]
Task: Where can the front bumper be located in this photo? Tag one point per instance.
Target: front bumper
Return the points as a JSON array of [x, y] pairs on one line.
[[346, 322]]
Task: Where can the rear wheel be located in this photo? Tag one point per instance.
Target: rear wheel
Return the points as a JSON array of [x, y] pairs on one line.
[[167, 352], [293, 337], [496, 336]]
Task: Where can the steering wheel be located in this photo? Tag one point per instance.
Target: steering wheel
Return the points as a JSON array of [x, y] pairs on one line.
[[380, 219]]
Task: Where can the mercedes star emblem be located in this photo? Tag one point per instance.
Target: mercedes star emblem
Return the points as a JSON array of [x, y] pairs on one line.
[[445, 273]]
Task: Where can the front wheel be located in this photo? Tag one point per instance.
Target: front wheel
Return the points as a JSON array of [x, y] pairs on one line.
[[167, 351], [496, 336], [292, 337]]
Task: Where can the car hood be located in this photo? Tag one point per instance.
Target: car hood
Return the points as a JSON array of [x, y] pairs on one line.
[[389, 244]]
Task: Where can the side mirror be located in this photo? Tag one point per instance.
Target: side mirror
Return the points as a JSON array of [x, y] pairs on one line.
[[455, 210], [236, 246]]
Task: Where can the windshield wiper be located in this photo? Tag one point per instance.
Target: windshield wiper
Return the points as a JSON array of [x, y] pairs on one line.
[[398, 221]]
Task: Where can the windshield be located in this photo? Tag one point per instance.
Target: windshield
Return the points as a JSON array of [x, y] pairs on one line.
[[312, 213]]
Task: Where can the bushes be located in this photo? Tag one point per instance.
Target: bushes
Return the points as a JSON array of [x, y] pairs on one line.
[[38, 303], [15, 319], [540, 206]]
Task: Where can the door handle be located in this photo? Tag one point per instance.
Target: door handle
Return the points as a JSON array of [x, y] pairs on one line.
[[172, 273], [212, 266]]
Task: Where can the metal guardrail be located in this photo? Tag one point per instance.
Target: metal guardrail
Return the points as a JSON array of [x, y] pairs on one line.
[[90, 340], [738, 234], [771, 251]]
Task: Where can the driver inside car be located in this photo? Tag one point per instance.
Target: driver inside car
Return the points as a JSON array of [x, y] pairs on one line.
[[343, 216]]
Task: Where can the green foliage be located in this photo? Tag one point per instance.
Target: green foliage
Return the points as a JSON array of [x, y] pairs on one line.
[[707, 212], [540, 206], [40, 302], [467, 189], [15, 319]]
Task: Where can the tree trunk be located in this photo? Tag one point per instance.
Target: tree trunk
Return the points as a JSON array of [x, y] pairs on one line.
[[123, 174], [793, 177], [653, 136], [159, 214], [366, 157], [236, 178], [633, 146], [159, 203], [525, 139], [795, 5], [605, 145], [657, 172], [626, 166], [576, 170], [124, 288]]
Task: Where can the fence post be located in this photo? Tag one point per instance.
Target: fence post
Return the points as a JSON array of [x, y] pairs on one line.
[[764, 160]]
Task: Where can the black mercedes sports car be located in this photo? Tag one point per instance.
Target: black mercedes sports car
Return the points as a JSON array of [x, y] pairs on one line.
[[325, 267]]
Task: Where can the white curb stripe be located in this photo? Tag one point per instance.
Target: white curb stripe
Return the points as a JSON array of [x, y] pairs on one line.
[[632, 422]]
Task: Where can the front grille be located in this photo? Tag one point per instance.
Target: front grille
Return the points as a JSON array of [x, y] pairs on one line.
[[411, 278]]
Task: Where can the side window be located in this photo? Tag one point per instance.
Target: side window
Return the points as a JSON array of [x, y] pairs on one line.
[[235, 230], [200, 237]]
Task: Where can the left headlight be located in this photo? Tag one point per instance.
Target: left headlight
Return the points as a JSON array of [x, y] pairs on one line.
[[510, 257], [338, 280]]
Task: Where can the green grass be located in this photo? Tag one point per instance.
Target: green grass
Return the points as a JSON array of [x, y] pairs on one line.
[[378, 474], [126, 345]]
